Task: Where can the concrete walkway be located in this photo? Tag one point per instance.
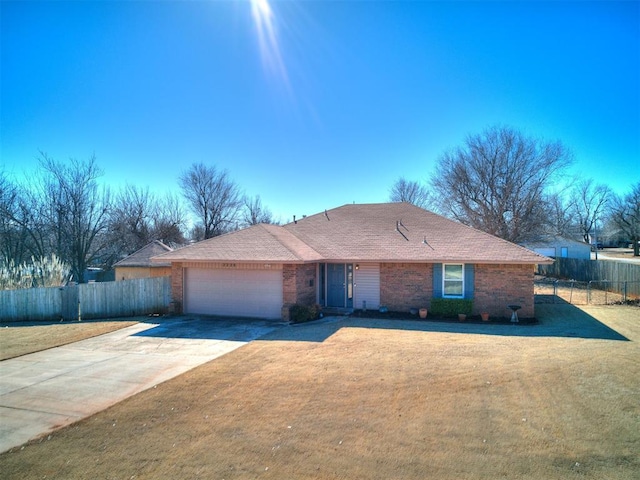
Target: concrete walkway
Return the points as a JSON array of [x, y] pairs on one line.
[[43, 391]]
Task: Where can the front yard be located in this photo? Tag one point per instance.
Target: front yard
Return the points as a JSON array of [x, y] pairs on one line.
[[365, 399], [20, 338]]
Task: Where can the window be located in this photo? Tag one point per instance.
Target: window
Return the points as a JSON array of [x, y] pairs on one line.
[[453, 280], [564, 252]]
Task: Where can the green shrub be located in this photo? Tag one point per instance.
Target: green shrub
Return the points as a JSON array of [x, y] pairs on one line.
[[303, 313], [450, 307]]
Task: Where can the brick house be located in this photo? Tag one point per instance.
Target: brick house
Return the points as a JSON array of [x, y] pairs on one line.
[[353, 257]]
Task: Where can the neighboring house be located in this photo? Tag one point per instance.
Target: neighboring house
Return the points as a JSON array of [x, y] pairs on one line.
[[355, 256], [559, 247], [139, 265]]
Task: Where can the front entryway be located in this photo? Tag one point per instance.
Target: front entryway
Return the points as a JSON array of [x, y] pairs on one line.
[[337, 284]]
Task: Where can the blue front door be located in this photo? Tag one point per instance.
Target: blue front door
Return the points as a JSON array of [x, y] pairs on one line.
[[335, 284], [339, 285]]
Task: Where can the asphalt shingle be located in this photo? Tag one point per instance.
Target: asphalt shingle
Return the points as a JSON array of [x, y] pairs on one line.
[[384, 232], [142, 257]]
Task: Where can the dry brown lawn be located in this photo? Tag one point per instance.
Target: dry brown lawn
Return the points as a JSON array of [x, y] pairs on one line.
[[364, 399], [18, 339], [624, 253]]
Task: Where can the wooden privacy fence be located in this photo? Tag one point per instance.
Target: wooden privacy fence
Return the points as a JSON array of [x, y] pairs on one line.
[[140, 296], [617, 275]]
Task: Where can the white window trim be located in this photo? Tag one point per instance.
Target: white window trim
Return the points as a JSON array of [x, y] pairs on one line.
[[444, 277]]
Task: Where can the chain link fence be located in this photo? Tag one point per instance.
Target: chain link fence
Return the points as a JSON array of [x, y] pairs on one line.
[[551, 290]]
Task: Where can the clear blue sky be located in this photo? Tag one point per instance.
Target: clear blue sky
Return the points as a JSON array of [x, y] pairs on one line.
[[338, 100]]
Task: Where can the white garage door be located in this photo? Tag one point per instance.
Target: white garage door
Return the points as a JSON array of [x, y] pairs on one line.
[[241, 293]]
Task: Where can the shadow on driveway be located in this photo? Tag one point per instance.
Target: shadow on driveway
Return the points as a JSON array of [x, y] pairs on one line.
[[210, 328]]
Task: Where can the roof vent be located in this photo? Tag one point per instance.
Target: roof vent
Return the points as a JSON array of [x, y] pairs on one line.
[[326, 214], [398, 230], [427, 243]]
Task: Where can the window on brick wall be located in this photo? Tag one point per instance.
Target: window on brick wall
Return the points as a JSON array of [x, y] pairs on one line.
[[453, 280]]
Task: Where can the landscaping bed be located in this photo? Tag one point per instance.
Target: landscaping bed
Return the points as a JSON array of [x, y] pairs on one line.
[[436, 318]]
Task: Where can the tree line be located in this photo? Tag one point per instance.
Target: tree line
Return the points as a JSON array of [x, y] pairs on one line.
[[62, 213], [516, 187], [499, 181]]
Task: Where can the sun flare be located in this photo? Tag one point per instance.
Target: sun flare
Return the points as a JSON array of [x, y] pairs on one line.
[[266, 28]]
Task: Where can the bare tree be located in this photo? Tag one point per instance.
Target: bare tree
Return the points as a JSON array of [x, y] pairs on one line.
[[197, 232], [76, 211], [559, 220], [61, 210], [625, 213], [213, 197], [497, 181], [138, 217], [254, 212], [409, 191], [130, 219], [13, 235], [32, 221], [588, 203], [25, 232], [169, 221]]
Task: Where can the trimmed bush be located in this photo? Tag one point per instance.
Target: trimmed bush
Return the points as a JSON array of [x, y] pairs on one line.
[[303, 313], [450, 307]]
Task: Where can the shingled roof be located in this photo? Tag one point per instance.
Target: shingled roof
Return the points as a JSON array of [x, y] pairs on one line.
[[142, 257], [384, 232], [259, 243]]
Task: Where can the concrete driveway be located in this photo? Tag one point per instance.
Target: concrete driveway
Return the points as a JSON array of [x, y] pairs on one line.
[[43, 391]]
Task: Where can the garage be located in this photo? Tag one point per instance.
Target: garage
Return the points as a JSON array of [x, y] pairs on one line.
[[233, 292]]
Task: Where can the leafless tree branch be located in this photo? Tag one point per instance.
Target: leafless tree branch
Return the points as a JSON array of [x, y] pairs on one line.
[[497, 182]]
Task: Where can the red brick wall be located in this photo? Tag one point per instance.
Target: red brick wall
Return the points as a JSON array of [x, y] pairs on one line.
[[177, 285], [497, 286], [288, 284], [298, 286], [406, 285], [306, 284]]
